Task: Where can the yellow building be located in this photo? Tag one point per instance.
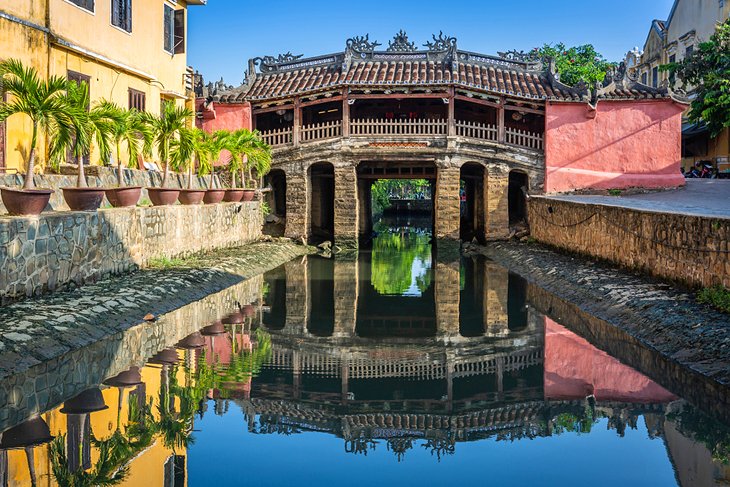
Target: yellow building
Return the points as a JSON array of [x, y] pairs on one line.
[[131, 52], [690, 22]]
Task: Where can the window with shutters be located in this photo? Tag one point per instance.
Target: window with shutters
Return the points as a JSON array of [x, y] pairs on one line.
[[137, 99], [122, 14], [174, 30], [85, 4]]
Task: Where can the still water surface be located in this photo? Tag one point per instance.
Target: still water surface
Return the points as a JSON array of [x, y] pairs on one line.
[[389, 368]]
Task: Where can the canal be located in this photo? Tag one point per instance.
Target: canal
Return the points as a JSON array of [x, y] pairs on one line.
[[392, 366]]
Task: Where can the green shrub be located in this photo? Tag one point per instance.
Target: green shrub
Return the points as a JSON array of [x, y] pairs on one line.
[[716, 296]]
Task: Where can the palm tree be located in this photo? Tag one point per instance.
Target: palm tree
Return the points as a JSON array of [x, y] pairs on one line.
[[89, 126], [182, 151], [259, 159], [166, 128], [43, 102], [249, 152], [130, 130], [211, 146]]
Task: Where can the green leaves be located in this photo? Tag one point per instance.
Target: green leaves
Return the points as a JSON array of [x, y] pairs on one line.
[[707, 73], [576, 64]]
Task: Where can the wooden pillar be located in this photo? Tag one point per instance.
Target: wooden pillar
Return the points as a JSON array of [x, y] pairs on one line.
[[346, 207], [500, 122], [296, 133], [345, 113], [452, 112], [345, 373]]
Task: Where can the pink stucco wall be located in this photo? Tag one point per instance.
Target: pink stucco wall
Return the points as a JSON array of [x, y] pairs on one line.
[[217, 116], [620, 144], [574, 369]]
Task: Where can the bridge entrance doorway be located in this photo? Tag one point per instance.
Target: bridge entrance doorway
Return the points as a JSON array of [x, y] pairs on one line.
[[396, 194], [518, 188], [322, 207], [472, 193]]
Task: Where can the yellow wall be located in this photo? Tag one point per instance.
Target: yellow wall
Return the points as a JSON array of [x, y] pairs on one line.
[[114, 59]]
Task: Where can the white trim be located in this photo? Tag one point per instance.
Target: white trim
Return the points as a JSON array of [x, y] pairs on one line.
[[103, 59], [90, 12], [111, 24], [173, 94]]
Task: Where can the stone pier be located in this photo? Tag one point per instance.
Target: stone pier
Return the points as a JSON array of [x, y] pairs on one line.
[[346, 207]]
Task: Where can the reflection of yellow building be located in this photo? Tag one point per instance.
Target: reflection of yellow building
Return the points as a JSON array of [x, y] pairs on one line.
[[150, 467], [133, 54]]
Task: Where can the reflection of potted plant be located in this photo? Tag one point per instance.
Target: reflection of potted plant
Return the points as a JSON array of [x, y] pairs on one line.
[[90, 125], [131, 130], [42, 102], [166, 127]]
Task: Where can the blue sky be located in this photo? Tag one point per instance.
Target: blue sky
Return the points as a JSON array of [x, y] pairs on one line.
[[224, 34]]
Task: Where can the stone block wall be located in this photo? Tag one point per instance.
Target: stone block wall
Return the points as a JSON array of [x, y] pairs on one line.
[[56, 249], [684, 248], [98, 176]]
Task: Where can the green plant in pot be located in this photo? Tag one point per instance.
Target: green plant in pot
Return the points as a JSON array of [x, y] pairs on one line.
[[43, 102], [133, 133], [248, 154], [259, 161], [182, 153], [208, 148], [90, 126], [165, 128]]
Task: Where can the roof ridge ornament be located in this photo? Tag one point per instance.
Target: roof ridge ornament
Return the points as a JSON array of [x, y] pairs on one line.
[[400, 43], [271, 63], [440, 43], [362, 44], [521, 56]]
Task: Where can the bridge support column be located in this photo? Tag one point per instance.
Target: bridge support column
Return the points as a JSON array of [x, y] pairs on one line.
[[297, 205], [448, 204], [346, 293], [364, 196], [447, 292], [496, 279], [346, 207], [497, 206], [297, 296]]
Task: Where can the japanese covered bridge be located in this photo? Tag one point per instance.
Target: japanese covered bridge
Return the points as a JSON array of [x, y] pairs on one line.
[[503, 125]]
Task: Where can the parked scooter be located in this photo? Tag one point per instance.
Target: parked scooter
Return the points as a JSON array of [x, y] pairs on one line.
[[702, 170]]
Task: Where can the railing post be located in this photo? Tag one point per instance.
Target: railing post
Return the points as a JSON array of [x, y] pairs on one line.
[[297, 122], [500, 122], [345, 113], [451, 129]]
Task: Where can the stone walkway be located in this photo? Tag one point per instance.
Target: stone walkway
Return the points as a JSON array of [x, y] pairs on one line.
[[701, 197], [40, 329]]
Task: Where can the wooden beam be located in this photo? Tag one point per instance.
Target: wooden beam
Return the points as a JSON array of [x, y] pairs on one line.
[[524, 109], [345, 113], [258, 111], [297, 122], [320, 101], [501, 136], [451, 127], [398, 96], [478, 101]]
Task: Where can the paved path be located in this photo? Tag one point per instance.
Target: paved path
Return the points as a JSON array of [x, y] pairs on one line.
[[701, 197]]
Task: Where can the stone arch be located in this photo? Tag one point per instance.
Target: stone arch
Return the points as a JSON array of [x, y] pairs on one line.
[[275, 198], [321, 208], [473, 201]]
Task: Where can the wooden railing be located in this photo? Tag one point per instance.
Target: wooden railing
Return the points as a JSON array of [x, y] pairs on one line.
[[321, 131], [523, 138], [476, 130], [387, 127], [277, 137], [375, 127]]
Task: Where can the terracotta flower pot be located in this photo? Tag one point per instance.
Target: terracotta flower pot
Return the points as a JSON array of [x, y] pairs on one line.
[[216, 328], [191, 196], [89, 401], [248, 310], [233, 195], [167, 356], [191, 342], [249, 194], [83, 199], [163, 196], [123, 197], [234, 319], [33, 432], [128, 378], [213, 196], [25, 202]]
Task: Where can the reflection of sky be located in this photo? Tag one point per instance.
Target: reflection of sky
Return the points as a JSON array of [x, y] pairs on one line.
[[418, 271]]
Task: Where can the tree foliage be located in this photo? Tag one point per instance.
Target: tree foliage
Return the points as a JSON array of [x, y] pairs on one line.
[[577, 63], [707, 71]]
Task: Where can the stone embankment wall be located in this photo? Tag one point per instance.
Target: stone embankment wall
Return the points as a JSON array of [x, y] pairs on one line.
[[98, 176], [49, 252], [689, 249]]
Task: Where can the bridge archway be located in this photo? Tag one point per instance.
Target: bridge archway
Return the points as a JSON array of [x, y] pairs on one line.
[[519, 185], [321, 176], [276, 197], [472, 192]]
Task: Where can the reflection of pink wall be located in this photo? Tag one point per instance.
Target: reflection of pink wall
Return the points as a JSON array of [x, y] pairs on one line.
[[219, 348], [621, 144], [575, 369]]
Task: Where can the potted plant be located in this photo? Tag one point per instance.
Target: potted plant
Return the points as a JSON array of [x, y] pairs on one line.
[[190, 143], [249, 153], [216, 143], [131, 130], [166, 127], [44, 103], [259, 160], [89, 125]]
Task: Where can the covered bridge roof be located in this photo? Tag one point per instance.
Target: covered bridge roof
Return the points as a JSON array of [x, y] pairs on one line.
[[402, 66]]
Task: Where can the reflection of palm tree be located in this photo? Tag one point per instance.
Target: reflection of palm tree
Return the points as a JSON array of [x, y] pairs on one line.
[[175, 428], [106, 471]]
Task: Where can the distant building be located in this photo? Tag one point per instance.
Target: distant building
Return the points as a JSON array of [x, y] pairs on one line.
[[689, 23], [132, 52]]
